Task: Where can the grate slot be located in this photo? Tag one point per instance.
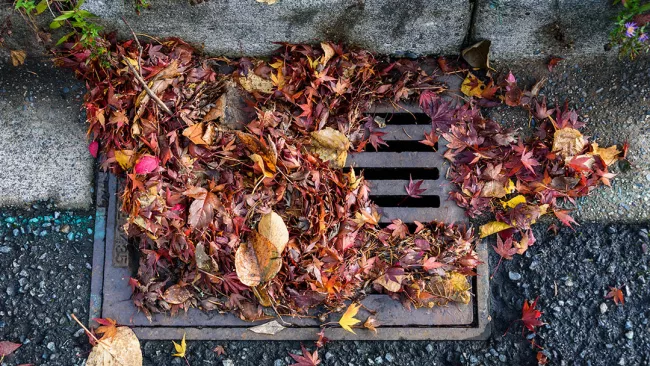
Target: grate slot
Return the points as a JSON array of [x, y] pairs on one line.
[[395, 132], [403, 118], [406, 201], [410, 159], [396, 187], [399, 173]]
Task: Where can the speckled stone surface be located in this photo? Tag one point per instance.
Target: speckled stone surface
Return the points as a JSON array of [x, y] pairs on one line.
[[43, 144]]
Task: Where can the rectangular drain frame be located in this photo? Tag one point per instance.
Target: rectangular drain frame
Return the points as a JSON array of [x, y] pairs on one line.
[[110, 292]]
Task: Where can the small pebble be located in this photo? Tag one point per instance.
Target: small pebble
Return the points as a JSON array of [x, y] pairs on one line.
[[502, 358], [228, 363], [429, 348], [5, 249], [603, 308], [629, 335], [514, 276], [51, 346], [389, 357]]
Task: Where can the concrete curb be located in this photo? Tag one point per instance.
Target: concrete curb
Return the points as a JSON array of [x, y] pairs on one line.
[[517, 28]]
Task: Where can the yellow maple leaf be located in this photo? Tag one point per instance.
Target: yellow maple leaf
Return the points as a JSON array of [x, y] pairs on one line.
[[513, 202], [348, 319], [492, 228], [472, 86], [180, 348]]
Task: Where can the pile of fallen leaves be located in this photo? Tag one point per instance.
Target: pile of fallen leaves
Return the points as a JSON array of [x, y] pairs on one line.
[[517, 179], [233, 184]]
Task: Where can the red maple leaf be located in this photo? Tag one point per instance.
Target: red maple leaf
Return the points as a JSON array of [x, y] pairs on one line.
[[376, 140], [398, 229], [430, 139], [505, 250], [530, 316], [307, 359], [413, 188], [552, 62], [563, 215], [617, 295], [528, 160], [542, 359]]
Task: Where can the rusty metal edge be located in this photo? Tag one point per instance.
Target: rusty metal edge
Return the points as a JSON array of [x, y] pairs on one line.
[[99, 242]]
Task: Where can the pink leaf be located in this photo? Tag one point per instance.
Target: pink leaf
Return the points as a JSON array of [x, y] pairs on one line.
[[93, 148], [7, 348], [146, 164]]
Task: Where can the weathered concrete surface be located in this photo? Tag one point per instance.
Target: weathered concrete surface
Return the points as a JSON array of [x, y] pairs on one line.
[[525, 28], [237, 27], [43, 149]]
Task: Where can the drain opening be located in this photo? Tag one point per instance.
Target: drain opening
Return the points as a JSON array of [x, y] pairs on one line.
[[398, 173]]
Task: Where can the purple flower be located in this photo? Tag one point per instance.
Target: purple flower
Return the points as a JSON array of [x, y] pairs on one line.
[[630, 28], [643, 37]]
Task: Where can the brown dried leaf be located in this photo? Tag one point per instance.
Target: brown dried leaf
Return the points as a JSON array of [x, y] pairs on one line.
[[257, 260], [195, 134], [218, 111], [478, 54], [252, 83], [331, 145], [270, 328], [371, 324], [329, 53], [177, 295], [122, 349], [203, 260], [609, 155], [568, 141], [17, 57], [257, 147], [202, 209], [272, 227]]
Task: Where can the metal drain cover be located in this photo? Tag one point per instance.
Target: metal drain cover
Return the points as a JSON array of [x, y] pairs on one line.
[[388, 171]]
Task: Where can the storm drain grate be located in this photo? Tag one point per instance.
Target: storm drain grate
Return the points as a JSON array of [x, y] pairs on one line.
[[388, 171]]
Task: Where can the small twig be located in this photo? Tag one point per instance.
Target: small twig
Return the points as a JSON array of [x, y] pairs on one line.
[[138, 75], [151, 94]]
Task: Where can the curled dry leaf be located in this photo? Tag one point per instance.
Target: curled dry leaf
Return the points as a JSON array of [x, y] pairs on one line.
[[122, 349], [203, 260], [272, 227], [330, 145], [256, 146], [257, 260], [609, 155], [218, 111], [371, 324], [18, 57], [195, 134], [478, 54], [255, 83], [328, 53], [177, 295], [568, 142], [202, 209], [270, 328]]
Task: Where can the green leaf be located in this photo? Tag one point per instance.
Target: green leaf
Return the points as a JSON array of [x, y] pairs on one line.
[[64, 38], [65, 15], [86, 14], [55, 25], [41, 6]]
